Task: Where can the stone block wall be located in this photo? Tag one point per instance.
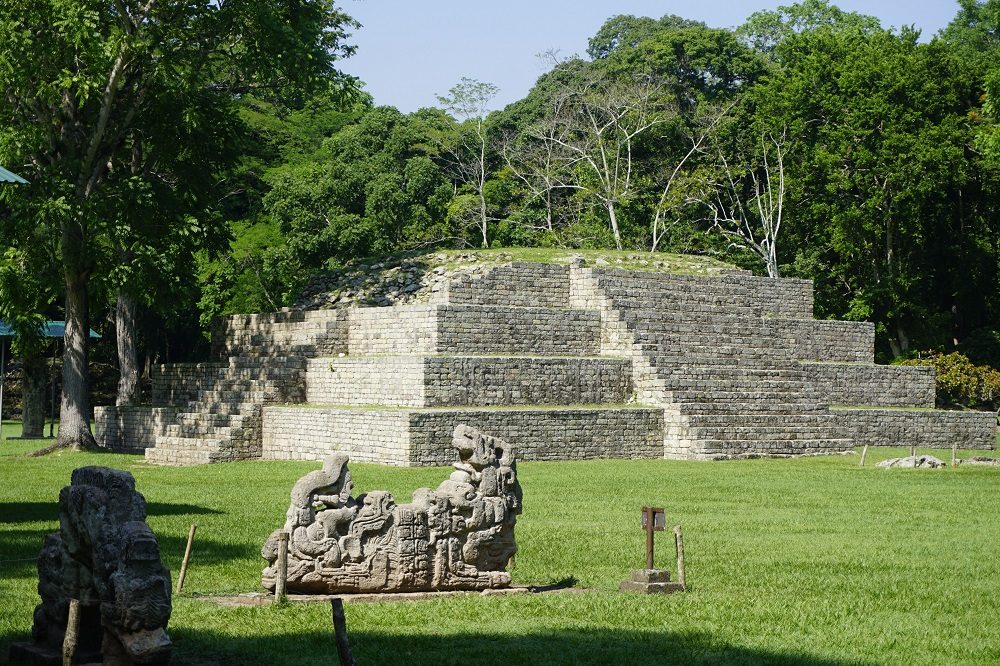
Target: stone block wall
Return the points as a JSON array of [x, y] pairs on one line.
[[403, 329], [875, 385], [488, 381], [423, 437], [935, 429], [827, 340], [396, 381], [520, 284], [131, 429], [787, 298], [551, 434], [469, 329], [269, 380], [311, 433], [293, 332], [440, 381], [179, 383]]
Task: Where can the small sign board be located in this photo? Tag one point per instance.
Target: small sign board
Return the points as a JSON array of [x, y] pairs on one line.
[[659, 518]]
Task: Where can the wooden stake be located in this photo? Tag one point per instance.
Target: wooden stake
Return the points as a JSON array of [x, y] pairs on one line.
[[279, 584], [679, 543], [913, 450], [649, 537], [72, 633], [187, 558], [954, 454], [864, 454], [340, 633]]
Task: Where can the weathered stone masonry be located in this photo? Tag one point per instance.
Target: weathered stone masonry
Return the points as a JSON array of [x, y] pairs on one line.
[[564, 362]]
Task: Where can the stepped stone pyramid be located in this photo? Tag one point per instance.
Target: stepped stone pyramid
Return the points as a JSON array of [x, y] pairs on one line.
[[563, 361]]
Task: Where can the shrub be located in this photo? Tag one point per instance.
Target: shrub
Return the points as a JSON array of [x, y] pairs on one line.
[[961, 382]]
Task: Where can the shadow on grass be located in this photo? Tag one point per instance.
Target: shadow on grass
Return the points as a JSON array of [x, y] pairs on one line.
[[20, 546], [569, 646], [31, 512]]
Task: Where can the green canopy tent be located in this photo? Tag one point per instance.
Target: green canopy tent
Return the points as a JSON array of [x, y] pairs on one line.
[[50, 329], [11, 177]]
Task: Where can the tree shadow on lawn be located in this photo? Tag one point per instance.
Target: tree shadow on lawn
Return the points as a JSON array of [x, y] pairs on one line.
[[20, 547], [570, 646]]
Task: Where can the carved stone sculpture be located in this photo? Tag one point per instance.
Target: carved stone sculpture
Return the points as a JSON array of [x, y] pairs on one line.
[[458, 537], [105, 556]]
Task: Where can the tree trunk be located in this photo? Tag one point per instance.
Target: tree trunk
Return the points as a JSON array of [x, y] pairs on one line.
[[483, 219], [74, 413], [614, 225], [33, 385], [772, 266], [128, 381]]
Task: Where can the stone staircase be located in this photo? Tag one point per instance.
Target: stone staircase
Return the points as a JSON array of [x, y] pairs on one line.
[[711, 356], [219, 407], [566, 362]]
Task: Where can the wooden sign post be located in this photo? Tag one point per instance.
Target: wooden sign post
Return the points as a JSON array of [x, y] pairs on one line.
[[651, 580], [653, 520]]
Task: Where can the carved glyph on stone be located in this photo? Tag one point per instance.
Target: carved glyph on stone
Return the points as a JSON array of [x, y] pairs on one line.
[[105, 556], [458, 537]]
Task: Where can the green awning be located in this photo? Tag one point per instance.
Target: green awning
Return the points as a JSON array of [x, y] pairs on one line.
[[50, 329], [11, 177]]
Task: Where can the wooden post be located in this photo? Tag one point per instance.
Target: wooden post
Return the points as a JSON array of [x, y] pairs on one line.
[[913, 450], [72, 633], [649, 537], [954, 454], [864, 454], [340, 633], [679, 542], [187, 557], [279, 584]]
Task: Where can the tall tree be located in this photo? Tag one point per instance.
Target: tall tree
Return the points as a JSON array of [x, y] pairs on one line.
[[81, 76], [469, 101]]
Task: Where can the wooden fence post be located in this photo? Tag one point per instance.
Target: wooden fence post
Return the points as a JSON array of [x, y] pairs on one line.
[[187, 558], [72, 633], [864, 454], [679, 543], [279, 584], [340, 633]]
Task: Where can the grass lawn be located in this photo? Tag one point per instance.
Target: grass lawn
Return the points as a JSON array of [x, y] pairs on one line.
[[789, 561]]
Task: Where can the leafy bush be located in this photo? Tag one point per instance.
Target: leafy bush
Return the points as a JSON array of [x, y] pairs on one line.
[[961, 382]]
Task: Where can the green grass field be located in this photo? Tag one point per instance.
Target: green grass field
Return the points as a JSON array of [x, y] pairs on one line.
[[789, 561]]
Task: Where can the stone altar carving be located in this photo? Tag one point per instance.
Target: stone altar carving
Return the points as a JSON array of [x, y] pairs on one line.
[[458, 537], [105, 556]]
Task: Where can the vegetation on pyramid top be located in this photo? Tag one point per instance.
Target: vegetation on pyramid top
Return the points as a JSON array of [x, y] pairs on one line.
[[411, 278]]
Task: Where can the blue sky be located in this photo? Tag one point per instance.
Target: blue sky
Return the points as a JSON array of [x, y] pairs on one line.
[[410, 51]]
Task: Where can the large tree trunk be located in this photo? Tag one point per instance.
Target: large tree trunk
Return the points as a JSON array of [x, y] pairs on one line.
[[33, 385], [74, 413], [128, 380]]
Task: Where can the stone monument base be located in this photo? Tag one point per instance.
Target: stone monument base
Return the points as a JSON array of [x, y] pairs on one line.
[[650, 581]]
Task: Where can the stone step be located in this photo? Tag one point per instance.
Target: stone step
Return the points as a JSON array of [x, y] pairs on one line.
[[190, 443], [227, 408], [199, 430], [210, 418], [257, 396], [731, 447], [754, 407], [158, 456], [668, 356], [645, 313]]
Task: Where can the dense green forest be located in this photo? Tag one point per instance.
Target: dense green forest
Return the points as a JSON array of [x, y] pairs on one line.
[[230, 160]]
